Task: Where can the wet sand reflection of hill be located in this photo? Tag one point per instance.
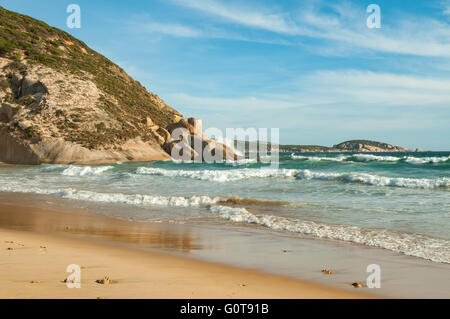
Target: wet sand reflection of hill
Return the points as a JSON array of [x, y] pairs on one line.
[[74, 222]]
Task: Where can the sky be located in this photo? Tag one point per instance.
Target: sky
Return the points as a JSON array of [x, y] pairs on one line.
[[311, 68]]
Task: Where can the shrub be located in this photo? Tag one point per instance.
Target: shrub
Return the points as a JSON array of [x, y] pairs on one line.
[[100, 127], [27, 100], [4, 84], [31, 132]]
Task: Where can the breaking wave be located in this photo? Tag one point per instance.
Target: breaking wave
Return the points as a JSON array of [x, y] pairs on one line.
[[72, 170], [241, 174], [427, 160], [374, 158], [117, 198], [434, 249], [375, 180], [218, 175]]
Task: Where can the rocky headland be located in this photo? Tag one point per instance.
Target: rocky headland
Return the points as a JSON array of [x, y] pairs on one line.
[[63, 103], [353, 146]]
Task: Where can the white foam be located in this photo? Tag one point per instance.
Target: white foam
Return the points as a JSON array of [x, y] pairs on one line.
[[437, 250], [369, 179], [240, 162], [137, 199], [340, 158], [351, 177], [373, 158], [218, 175], [426, 160], [343, 158], [434, 249], [72, 170], [115, 198]]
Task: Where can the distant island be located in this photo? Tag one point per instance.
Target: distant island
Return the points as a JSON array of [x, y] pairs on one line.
[[362, 146]]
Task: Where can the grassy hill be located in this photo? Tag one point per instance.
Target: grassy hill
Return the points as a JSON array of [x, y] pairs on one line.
[[27, 42]]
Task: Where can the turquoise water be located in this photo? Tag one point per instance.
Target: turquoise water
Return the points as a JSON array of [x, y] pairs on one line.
[[394, 201]]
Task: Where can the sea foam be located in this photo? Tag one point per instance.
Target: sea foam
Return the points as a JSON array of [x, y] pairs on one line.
[[115, 198], [434, 249], [72, 170], [231, 175], [374, 158], [375, 180], [427, 160], [218, 175]]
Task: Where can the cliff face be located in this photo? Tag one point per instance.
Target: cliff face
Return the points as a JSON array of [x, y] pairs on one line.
[[61, 102]]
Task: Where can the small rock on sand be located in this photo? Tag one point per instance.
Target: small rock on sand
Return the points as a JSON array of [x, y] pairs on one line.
[[67, 280], [104, 281]]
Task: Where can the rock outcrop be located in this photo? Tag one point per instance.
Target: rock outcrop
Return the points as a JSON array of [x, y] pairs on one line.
[[61, 102], [368, 146]]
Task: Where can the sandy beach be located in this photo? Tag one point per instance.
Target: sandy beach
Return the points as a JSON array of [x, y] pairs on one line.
[[34, 261], [224, 149]]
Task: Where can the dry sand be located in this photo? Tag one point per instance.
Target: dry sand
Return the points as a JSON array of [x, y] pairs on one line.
[[27, 255]]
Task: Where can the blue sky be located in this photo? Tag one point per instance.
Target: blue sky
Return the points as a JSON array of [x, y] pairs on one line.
[[311, 68]]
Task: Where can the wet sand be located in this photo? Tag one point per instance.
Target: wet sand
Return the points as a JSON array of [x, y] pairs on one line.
[[235, 245], [38, 244]]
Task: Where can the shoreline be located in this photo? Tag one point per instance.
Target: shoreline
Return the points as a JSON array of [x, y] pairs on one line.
[[42, 255], [297, 258]]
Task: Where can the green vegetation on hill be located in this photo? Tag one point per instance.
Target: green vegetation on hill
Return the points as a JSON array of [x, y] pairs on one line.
[[298, 148], [24, 38], [365, 142], [344, 146]]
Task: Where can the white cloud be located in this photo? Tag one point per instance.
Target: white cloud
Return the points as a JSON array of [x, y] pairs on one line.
[[185, 31], [353, 86], [345, 24], [177, 30], [246, 16], [446, 7], [247, 103], [330, 99], [346, 88], [325, 107]]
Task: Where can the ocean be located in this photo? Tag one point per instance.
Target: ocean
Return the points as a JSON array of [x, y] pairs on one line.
[[394, 201]]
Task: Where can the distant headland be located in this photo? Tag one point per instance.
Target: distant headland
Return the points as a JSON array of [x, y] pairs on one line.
[[363, 146]]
